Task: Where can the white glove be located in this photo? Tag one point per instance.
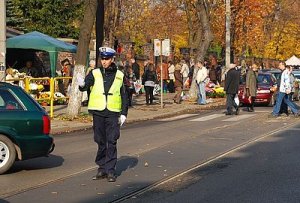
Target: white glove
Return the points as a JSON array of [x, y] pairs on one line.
[[80, 80], [122, 119]]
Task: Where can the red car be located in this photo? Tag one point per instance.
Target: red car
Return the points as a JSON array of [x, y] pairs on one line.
[[266, 90]]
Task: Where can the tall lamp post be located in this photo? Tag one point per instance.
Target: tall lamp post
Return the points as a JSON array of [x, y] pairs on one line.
[[227, 38], [2, 39]]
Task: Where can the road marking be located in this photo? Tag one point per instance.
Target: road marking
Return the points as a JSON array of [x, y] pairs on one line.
[[239, 117], [178, 117], [262, 111], [210, 117]]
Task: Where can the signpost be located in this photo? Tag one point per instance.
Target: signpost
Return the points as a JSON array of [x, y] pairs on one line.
[[162, 47]]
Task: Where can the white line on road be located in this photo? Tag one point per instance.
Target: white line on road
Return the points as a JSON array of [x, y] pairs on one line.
[[262, 111], [239, 117], [210, 117], [178, 117]]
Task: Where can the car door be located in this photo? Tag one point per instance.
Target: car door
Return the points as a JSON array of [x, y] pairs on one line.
[[14, 117]]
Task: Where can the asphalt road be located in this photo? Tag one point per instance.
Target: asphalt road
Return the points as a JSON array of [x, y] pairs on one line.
[[264, 171], [153, 152]]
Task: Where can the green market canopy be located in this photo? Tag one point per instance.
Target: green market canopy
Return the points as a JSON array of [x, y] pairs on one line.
[[39, 41]]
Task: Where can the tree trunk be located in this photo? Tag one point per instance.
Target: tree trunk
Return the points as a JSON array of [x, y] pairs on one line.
[[207, 37], [81, 57], [203, 19], [99, 29]]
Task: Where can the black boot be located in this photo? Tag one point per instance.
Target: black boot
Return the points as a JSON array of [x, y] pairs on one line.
[[111, 177], [100, 175]]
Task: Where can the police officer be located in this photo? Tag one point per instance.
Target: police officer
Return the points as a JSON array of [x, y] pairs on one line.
[[108, 105]]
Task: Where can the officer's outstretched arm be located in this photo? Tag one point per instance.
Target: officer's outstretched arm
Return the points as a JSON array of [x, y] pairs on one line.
[[88, 82]]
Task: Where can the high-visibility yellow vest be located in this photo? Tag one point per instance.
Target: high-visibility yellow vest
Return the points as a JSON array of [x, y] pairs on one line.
[[98, 100]]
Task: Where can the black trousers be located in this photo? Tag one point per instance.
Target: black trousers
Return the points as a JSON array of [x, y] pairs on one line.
[[251, 105], [230, 102], [130, 92], [106, 134], [171, 87], [149, 94]]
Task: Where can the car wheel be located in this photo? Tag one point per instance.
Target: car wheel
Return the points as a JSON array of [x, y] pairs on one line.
[[7, 154], [272, 101]]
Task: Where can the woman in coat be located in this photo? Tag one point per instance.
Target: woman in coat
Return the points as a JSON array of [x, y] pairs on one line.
[[149, 80], [178, 84], [251, 86]]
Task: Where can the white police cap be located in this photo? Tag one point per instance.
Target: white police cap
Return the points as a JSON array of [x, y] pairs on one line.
[[107, 52]]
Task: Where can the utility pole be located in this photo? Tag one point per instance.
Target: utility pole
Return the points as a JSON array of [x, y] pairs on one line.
[[2, 39], [227, 38]]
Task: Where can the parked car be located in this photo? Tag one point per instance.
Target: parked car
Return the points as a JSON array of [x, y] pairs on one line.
[[296, 73], [266, 90], [24, 127], [275, 72]]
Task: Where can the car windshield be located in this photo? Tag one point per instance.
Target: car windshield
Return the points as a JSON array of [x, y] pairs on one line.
[[263, 79]]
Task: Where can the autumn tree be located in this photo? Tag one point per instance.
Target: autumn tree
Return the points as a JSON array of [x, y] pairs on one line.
[[284, 30], [58, 18], [112, 20]]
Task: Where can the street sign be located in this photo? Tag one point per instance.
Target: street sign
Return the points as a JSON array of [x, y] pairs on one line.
[[166, 47], [157, 47], [162, 47]]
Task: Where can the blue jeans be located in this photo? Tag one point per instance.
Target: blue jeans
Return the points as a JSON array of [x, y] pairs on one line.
[[201, 93], [282, 97]]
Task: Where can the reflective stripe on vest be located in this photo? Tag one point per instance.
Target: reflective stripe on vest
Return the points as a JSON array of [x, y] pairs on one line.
[[98, 100]]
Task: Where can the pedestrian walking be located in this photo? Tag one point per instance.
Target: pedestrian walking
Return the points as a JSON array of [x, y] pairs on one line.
[[294, 85], [149, 80], [171, 69], [284, 93], [129, 84], [232, 81], [108, 105], [184, 71], [164, 75], [136, 68], [212, 74], [251, 86], [178, 84], [201, 80]]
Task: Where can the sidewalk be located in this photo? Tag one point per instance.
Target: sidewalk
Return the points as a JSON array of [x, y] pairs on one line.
[[139, 112]]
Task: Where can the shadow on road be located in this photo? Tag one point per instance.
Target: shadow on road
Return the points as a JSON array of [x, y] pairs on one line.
[[124, 163], [38, 163]]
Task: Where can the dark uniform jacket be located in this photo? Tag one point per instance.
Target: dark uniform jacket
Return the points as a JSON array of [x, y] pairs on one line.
[[108, 78], [232, 81]]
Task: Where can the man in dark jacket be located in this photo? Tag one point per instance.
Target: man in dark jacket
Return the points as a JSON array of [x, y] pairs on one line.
[[231, 88], [136, 68], [109, 107]]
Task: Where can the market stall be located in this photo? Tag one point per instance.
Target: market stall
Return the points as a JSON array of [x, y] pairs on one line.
[[39, 41], [42, 88]]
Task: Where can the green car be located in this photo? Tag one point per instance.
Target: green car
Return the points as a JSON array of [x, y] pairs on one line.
[[24, 127]]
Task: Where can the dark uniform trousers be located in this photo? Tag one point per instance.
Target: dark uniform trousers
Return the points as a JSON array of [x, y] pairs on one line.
[[106, 134]]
